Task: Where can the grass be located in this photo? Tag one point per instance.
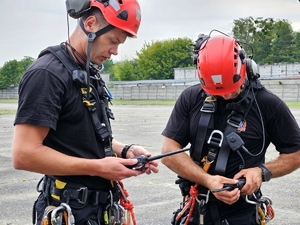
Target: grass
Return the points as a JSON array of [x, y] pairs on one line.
[[128, 102], [293, 104], [8, 100], [143, 102]]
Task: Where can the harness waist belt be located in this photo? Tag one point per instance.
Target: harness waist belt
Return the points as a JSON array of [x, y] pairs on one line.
[[65, 192]]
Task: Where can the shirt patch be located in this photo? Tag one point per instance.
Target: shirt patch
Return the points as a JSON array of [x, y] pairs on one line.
[[242, 126]]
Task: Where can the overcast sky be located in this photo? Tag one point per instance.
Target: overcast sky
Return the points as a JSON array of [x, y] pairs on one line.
[[29, 26]]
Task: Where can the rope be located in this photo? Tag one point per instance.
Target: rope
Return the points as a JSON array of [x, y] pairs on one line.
[[193, 193], [127, 204], [190, 204]]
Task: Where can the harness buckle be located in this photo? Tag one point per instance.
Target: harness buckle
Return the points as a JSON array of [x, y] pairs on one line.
[[234, 120], [84, 195], [209, 105]]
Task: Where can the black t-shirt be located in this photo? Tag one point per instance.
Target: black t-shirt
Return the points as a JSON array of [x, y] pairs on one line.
[[49, 97], [279, 127]]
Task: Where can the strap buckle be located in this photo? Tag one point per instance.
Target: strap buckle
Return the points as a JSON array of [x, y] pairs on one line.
[[84, 195], [209, 105], [235, 120]]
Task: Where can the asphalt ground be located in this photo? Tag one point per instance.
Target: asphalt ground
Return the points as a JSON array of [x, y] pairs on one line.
[[154, 196]]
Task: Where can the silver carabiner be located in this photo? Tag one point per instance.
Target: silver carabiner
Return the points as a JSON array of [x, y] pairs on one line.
[[263, 199], [249, 201], [204, 195], [71, 219], [216, 132], [54, 219]]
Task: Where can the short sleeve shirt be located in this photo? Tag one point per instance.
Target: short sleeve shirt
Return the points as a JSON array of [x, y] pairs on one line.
[[269, 120], [48, 97]]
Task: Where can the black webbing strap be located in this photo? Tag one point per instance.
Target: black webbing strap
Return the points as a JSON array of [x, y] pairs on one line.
[[239, 112], [221, 162], [205, 121], [99, 32], [103, 130], [57, 51]]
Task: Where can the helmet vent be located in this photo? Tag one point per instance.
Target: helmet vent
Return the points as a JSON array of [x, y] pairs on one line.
[[123, 15], [236, 78], [202, 81]]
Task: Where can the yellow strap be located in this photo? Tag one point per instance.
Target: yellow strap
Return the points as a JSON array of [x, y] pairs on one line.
[[59, 185]]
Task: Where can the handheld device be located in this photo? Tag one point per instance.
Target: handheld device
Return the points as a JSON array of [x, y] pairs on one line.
[[229, 187], [142, 159]]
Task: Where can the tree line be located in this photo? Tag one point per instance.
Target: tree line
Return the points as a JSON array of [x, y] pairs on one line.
[[267, 40]]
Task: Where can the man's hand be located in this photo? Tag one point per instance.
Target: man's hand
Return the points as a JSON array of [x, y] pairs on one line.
[[137, 150], [253, 180], [228, 197]]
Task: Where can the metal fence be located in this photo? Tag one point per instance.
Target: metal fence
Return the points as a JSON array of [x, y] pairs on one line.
[[287, 90]]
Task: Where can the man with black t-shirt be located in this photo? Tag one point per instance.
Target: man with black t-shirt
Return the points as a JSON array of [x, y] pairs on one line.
[[62, 126], [229, 119]]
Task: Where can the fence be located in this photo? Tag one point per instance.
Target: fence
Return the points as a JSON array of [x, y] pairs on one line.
[[153, 92], [287, 90]]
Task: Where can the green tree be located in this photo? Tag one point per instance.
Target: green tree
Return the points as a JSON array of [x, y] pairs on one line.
[[124, 70], [10, 74], [26, 62], [109, 68], [157, 60], [244, 30], [296, 49], [283, 44], [271, 40], [108, 64], [263, 39]]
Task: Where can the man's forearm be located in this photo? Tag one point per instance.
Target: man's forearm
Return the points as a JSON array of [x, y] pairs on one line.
[[284, 164]]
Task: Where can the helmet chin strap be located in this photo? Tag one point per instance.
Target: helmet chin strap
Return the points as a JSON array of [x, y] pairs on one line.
[[91, 37]]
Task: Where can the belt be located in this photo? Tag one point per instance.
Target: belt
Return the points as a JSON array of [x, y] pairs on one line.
[[65, 192]]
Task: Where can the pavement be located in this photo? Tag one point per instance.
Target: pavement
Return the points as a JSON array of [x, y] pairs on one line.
[[154, 196]]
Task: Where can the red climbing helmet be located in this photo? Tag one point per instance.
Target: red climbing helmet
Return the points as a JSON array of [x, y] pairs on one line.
[[221, 65], [123, 14]]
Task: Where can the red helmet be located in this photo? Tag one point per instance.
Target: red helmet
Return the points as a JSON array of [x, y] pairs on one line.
[[125, 14], [221, 65]]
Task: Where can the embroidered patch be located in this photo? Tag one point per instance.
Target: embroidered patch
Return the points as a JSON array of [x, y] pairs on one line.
[[242, 126]]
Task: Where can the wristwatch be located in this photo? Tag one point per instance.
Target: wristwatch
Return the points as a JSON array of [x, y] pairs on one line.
[[266, 174]]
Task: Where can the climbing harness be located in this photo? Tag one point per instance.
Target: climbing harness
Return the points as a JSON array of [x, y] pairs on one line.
[[219, 145], [90, 96], [118, 209]]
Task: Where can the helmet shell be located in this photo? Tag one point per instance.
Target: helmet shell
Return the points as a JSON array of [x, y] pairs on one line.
[[221, 65], [123, 14]]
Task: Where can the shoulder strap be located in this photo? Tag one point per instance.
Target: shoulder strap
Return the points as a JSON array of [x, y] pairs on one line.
[[205, 121], [234, 120], [102, 129], [238, 114], [59, 53]]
